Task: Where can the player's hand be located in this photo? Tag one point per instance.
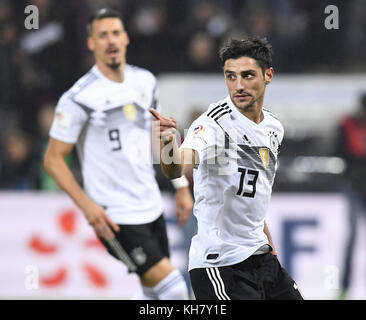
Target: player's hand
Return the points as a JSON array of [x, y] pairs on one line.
[[102, 224], [184, 202], [167, 126]]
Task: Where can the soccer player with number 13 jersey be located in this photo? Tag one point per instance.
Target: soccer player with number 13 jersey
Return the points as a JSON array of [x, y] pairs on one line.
[[233, 148]]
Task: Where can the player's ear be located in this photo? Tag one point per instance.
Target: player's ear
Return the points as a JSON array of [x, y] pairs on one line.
[[126, 38], [268, 75], [90, 44]]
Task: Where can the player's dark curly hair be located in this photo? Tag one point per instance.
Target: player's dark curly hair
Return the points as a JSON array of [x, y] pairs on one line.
[[257, 48], [101, 14]]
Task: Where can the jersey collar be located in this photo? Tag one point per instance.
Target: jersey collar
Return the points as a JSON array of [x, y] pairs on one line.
[[96, 71], [238, 115]]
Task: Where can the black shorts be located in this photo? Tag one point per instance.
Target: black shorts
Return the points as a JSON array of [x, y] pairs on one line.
[[140, 246], [260, 277]]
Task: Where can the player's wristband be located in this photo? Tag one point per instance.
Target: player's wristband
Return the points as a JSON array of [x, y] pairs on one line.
[[180, 182]]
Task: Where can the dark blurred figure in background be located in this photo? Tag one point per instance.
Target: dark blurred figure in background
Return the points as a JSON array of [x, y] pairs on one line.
[[351, 147], [355, 35], [17, 170], [201, 54], [8, 43]]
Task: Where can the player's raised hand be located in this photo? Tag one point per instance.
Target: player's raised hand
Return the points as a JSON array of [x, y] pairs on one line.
[[164, 121], [167, 127]]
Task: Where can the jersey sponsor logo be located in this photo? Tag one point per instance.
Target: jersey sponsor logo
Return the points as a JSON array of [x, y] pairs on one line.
[[130, 111], [264, 154], [63, 121]]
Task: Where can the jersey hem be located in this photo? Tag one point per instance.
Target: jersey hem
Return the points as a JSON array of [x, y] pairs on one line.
[[226, 264], [119, 218]]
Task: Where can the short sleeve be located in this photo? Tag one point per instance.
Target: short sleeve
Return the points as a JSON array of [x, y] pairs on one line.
[[155, 99], [68, 121], [204, 138]]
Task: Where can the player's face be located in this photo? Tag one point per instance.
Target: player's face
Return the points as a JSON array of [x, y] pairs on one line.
[[109, 42], [246, 82]]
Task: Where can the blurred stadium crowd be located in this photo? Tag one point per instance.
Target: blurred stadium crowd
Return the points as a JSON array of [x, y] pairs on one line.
[[36, 66]]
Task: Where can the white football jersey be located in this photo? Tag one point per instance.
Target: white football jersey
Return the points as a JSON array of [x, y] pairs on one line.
[[111, 126], [232, 183]]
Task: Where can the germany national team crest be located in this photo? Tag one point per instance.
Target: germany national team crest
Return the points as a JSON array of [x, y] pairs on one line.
[[139, 255], [130, 111], [264, 154], [274, 142]]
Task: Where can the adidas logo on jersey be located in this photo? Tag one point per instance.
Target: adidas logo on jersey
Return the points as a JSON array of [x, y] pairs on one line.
[[98, 118], [246, 140]]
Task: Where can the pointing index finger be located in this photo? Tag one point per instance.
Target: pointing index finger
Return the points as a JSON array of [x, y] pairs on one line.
[[155, 113]]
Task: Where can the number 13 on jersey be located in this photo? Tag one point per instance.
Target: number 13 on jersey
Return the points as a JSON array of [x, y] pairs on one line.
[[247, 189]]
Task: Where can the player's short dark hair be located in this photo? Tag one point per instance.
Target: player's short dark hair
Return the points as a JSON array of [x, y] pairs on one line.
[[256, 48], [102, 14]]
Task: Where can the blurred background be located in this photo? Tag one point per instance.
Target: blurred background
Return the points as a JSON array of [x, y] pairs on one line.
[[318, 211]]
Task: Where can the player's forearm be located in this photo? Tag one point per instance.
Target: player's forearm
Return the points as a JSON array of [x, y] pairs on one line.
[[170, 159], [61, 173], [172, 171]]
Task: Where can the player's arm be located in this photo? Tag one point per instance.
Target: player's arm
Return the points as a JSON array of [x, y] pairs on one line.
[[55, 164], [176, 169], [184, 160], [165, 140], [266, 231], [174, 162]]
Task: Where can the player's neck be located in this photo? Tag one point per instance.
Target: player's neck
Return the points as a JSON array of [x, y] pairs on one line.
[[116, 75], [253, 112], [256, 116]]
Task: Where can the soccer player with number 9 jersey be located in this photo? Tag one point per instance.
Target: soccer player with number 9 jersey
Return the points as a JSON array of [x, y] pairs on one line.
[[105, 114]]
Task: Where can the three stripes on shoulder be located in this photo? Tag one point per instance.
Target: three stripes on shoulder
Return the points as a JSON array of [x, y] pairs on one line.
[[217, 112]]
